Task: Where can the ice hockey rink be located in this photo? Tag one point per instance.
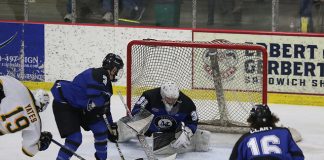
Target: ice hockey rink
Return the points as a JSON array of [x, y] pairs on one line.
[[308, 120]]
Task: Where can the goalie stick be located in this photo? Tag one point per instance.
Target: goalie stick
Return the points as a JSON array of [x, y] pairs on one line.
[[141, 138], [62, 146], [117, 145]]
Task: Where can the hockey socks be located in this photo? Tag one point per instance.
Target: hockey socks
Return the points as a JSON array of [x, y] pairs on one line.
[[72, 142], [100, 132]]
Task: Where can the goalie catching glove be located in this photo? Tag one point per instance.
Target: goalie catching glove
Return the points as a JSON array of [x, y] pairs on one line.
[[184, 139], [113, 133], [45, 140]]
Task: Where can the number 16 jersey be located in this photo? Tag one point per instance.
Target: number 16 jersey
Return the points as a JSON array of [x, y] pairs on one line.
[[271, 143]]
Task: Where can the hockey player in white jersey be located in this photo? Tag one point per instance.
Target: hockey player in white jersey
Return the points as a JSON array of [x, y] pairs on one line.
[[19, 110]]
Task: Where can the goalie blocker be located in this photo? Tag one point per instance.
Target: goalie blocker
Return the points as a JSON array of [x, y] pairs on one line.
[[129, 127]]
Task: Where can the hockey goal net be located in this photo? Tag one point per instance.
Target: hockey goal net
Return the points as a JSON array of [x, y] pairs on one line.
[[225, 80]]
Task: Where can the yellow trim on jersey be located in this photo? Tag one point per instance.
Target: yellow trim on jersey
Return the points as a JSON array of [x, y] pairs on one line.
[[26, 153]]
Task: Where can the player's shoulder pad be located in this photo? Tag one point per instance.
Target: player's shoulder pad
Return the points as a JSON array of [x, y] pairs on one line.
[[282, 129], [153, 94], [188, 104], [98, 74], [243, 137]]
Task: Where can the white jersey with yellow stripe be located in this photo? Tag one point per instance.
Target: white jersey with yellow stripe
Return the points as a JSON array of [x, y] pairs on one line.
[[18, 113]]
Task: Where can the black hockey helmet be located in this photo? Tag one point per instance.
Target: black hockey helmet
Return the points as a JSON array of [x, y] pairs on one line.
[[261, 113], [261, 116], [112, 60]]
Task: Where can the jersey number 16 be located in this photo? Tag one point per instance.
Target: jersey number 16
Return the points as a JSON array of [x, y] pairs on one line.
[[268, 145]]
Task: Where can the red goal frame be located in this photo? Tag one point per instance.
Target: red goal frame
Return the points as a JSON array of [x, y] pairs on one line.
[[195, 45]]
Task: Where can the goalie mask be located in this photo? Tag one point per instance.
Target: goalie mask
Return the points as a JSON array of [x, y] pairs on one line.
[[114, 64], [170, 94], [42, 99]]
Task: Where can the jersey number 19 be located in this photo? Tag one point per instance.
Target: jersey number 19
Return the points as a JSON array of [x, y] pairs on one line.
[[20, 122]]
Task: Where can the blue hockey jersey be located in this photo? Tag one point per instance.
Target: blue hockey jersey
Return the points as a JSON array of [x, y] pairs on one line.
[[183, 111], [267, 143], [92, 86]]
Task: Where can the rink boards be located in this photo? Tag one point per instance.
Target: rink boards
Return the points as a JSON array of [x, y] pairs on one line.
[[296, 68]]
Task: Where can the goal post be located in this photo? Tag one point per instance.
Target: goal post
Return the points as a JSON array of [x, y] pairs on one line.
[[225, 80]]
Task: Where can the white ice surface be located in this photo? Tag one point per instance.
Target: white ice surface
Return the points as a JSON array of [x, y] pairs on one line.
[[309, 121]]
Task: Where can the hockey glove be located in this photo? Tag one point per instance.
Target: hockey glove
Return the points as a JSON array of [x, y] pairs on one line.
[[113, 133], [45, 140], [184, 139], [99, 111]]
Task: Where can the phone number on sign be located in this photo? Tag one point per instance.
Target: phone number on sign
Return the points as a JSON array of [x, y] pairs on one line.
[[9, 58]]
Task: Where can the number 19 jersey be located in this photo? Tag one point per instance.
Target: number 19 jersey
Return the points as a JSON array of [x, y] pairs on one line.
[[18, 113]]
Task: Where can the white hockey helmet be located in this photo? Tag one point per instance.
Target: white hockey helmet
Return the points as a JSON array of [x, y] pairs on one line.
[[42, 99], [170, 94], [170, 90]]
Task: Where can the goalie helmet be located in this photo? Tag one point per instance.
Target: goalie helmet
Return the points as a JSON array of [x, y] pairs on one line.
[[170, 90], [170, 94], [110, 62], [42, 99]]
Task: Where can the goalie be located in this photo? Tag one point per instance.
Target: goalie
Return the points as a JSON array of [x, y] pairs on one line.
[[174, 123]]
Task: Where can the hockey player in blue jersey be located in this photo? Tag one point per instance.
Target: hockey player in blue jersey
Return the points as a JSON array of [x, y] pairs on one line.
[[265, 140], [82, 102], [175, 119]]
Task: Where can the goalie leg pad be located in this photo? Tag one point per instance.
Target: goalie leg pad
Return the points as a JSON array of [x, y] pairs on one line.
[[295, 134], [168, 150], [201, 140], [162, 144], [125, 133]]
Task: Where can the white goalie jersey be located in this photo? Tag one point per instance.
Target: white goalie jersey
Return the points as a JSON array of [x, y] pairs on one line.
[[18, 113]]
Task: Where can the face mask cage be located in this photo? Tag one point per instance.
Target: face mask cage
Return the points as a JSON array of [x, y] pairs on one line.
[[118, 75]]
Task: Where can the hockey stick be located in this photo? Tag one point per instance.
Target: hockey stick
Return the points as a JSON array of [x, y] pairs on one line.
[[62, 146], [141, 138], [117, 145]]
